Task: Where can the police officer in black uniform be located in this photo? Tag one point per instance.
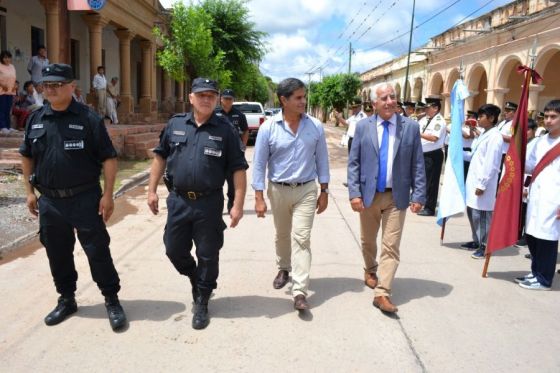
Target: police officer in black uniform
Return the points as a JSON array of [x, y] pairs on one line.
[[64, 150], [238, 119], [197, 150]]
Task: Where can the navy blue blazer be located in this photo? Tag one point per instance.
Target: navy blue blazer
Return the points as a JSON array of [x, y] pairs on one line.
[[409, 175]]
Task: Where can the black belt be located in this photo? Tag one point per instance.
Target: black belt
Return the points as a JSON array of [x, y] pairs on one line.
[[192, 195], [65, 193], [293, 185], [433, 151]]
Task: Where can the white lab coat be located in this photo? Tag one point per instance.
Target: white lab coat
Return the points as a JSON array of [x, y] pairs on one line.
[[544, 192], [485, 158]]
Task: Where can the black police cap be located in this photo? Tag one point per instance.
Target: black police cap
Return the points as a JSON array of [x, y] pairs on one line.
[[368, 108], [408, 104], [540, 115], [356, 101], [57, 72], [204, 85], [228, 93], [433, 101], [510, 106], [420, 105]]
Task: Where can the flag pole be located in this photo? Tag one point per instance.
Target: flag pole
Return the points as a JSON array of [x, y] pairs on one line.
[[442, 231], [533, 56]]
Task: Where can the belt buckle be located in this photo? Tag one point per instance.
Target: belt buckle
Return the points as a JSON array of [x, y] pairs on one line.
[[191, 195], [293, 185]]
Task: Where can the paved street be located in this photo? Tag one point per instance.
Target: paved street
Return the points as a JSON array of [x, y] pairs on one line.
[[450, 319]]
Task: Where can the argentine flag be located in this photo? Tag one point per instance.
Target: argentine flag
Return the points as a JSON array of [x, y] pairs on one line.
[[452, 194]]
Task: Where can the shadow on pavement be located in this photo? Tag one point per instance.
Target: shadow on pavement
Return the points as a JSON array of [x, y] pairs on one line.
[[322, 290], [407, 289], [153, 310]]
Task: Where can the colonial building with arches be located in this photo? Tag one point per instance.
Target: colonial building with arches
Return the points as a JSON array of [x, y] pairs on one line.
[[486, 52]]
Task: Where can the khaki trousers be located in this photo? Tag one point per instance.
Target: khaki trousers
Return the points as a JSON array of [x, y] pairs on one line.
[[293, 209], [382, 212], [102, 102]]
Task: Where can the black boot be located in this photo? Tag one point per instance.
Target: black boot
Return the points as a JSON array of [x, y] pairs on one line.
[[194, 287], [200, 318], [117, 318], [65, 307]]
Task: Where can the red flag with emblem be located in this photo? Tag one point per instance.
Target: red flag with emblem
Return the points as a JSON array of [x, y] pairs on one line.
[[506, 220]]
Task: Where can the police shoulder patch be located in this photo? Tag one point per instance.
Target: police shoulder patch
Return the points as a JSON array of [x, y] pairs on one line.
[[438, 126]]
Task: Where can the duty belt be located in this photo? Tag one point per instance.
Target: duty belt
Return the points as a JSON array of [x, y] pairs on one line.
[[65, 193], [194, 195], [293, 185]]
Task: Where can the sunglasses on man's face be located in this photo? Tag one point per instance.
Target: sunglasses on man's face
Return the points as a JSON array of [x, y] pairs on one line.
[[54, 85]]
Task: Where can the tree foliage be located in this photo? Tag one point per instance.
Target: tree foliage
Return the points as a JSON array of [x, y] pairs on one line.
[[215, 38], [334, 91], [189, 48]]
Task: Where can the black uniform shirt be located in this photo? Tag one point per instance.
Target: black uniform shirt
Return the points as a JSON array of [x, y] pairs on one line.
[[199, 158], [236, 117], [68, 147]]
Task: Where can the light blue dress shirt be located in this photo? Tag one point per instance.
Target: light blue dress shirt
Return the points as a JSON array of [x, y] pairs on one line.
[[291, 158]]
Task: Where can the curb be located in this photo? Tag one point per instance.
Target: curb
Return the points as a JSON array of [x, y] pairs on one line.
[[127, 185]]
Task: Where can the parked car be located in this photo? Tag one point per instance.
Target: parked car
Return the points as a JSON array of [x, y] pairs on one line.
[[255, 116], [271, 111]]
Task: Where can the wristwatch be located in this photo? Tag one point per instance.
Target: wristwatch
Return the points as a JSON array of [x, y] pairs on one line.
[[326, 190]]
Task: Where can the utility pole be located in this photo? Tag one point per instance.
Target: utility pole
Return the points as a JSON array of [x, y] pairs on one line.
[[350, 59], [409, 50], [309, 92]]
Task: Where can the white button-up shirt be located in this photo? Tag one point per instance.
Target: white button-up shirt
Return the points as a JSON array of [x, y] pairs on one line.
[[353, 120], [544, 199], [99, 82]]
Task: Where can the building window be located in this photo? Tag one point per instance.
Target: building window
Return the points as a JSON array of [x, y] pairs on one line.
[[75, 57], [37, 38]]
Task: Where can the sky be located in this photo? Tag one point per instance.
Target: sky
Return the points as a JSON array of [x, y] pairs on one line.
[[314, 36]]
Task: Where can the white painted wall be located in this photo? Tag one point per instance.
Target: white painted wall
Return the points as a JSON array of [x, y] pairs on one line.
[[20, 16]]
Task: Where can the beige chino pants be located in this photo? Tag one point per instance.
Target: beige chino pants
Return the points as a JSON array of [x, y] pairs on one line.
[[382, 212], [293, 209], [102, 102]]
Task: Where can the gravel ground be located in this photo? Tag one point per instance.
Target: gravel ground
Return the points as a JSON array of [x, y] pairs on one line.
[[16, 219]]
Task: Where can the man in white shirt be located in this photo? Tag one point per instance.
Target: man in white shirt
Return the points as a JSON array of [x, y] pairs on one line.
[[37, 63], [432, 133], [482, 179], [350, 123], [542, 227], [100, 86], [505, 125]]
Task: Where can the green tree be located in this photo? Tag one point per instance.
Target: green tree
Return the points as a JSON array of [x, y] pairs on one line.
[[337, 90], [189, 48], [234, 33]]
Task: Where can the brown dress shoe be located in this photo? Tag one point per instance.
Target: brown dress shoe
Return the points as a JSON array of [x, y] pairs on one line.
[[384, 304], [281, 279], [370, 279], [300, 303]]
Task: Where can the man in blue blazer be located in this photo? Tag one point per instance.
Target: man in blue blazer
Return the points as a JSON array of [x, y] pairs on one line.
[[385, 176]]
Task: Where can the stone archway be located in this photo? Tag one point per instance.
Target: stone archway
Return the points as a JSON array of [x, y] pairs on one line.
[[451, 79], [364, 95], [398, 91], [510, 80], [417, 90], [477, 83], [436, 85], [547, 66], [407, 92]]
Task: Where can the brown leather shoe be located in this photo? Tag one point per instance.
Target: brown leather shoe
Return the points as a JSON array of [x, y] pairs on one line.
[[370, 279], [384, 304], [281, 279], [300, 303]]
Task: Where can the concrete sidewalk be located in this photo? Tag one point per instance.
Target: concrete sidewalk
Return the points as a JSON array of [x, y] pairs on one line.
[[450, 319]]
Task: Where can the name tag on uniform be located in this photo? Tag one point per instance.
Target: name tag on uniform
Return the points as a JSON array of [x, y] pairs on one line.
[[179, 133], [212, 152], [37, 126], [215, 138], [75, 127], [73, 144]]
